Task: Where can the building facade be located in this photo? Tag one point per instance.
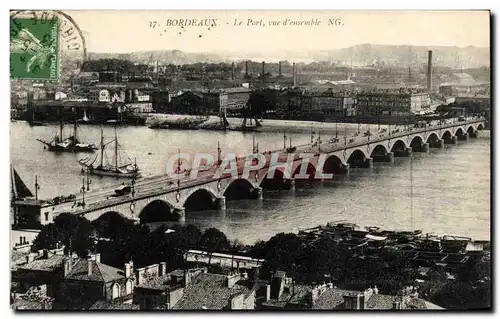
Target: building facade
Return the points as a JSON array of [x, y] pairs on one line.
[[392, 103]]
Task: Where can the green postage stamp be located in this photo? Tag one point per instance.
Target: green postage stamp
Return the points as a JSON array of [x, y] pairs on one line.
[[34, 48]]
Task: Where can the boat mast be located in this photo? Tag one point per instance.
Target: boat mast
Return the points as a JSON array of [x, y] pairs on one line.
[[74, 129], [102, 146], [116, 150], [60, 126]]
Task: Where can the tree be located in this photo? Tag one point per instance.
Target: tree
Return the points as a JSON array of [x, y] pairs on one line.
[[74, 232], [213, 240]]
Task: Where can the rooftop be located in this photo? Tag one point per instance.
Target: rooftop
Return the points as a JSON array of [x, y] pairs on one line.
[[48, 264], [300, 295], [332, 298], [207, 291], [100, 272]]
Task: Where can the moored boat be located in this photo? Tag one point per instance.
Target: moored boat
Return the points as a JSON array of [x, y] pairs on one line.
[[120, 166], [70, 144]]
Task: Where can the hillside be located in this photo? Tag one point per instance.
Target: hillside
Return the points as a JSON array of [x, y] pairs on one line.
[[363, 54]]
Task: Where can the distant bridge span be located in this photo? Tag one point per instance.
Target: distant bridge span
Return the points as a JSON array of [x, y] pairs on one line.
[[163, 195]]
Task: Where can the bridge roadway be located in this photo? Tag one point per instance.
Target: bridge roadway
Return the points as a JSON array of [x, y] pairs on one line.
[[159, 185]]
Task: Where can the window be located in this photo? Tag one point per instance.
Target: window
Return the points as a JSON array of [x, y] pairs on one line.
[[46, 216], [128, 287], [116, 291]]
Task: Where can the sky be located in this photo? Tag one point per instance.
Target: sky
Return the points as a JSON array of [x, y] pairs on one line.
[[131, 31]]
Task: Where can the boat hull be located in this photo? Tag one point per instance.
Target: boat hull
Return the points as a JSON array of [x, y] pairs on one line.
[[99, 172], [72, 149]]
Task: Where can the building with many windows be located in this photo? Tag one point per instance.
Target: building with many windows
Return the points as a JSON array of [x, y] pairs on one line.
[[392, 103]]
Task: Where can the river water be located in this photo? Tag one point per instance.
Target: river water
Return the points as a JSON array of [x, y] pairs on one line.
[[451, 186]]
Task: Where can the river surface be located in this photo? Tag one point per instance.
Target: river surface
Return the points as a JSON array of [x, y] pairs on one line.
[[450, 187]]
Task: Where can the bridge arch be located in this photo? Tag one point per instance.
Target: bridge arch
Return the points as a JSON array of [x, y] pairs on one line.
[[310, 170], [470, 130], [480, 127], [380, 149], [201, 198], [398, 145], [333, 165], [157, 211], [432, 138], [240, 188], [357, 158], [416, 142], [446, 134], [459, 131], [277, 181], [110, 223]]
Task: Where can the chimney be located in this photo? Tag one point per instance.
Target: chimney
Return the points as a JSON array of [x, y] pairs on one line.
[[231, 280], [429, 72], [67, 265], [293, 75], [232, 71], [263, 68], [163, 268], [127, 269], [279, 68], [29, 258], [246, 68], [98, 258], [89, 264]]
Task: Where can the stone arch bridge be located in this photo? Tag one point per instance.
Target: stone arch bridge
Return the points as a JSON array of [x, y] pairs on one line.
[[160, 195]]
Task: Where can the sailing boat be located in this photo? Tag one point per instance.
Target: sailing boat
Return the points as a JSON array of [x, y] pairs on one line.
[[119, 166], [70, 144]]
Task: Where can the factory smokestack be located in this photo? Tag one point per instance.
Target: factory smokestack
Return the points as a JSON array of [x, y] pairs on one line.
[[246, 68], [293, 75], [279, 68], [429, 72], [232, 71], [263, 71]]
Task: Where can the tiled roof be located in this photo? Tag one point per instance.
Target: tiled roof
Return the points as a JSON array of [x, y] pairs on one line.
[[301, 295], [206, 291], [100, 272], [332, 298], [109, 305], [157, 283], [21, 304], [50, 264], [380, 302]]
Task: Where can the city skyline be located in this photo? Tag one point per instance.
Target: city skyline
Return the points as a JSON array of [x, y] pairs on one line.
[[135, 31]]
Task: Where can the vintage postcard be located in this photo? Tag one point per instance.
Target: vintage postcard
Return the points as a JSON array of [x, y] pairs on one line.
[[250, 160]]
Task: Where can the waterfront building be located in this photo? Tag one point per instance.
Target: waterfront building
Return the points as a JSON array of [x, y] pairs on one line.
[[331, 103], [228, 100], [392, 103]]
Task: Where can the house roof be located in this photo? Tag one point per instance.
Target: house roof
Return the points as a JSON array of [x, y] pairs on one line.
[[52, 263], [332, 298], [207, 291], [301, 295], [156, 283], [100, 272], [109, 305]]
